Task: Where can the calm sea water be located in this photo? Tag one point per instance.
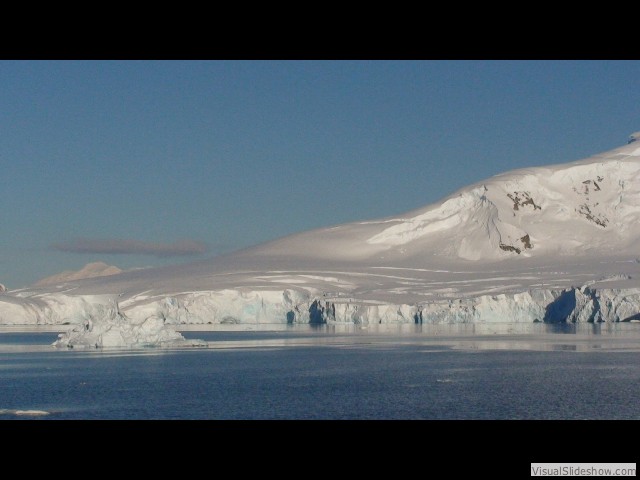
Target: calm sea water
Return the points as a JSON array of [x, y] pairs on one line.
[[437, 372]]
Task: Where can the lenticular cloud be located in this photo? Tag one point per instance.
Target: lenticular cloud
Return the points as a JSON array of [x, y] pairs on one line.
[[128, 246]]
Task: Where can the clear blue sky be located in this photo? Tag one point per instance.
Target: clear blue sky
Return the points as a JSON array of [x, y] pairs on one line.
[[139, 163]]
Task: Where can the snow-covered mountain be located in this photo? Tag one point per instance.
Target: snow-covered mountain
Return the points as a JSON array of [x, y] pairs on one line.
[[90, 270], [554, 243], [585, 207]]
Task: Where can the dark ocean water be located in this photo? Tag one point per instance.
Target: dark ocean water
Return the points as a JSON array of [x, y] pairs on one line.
[[324, 375]]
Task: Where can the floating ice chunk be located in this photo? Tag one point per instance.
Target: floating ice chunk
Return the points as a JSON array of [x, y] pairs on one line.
[[31, 413], [113, 329], [25, 413]]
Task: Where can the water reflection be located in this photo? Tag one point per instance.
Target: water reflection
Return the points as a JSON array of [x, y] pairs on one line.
[[580, 337]]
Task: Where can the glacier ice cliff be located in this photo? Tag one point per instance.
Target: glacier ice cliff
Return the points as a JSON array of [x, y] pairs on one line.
[[100, 321]]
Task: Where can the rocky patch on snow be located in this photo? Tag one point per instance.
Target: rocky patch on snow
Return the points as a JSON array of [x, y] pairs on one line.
[[522, 199], [526, 244], [597, 218]]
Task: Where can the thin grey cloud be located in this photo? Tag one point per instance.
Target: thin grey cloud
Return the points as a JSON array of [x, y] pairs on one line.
[[131, 247]]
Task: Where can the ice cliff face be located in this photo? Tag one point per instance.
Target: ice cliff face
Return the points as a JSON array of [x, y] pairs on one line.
[[101, 323], [554, 244]]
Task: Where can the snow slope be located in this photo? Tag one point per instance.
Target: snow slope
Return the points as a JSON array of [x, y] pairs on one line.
[[554, 243]]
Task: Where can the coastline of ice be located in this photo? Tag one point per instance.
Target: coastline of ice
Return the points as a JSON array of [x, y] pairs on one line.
[[102, 322], [548, 244]]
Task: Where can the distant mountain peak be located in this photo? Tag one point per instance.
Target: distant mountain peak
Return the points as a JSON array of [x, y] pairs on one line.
[[90, 270]]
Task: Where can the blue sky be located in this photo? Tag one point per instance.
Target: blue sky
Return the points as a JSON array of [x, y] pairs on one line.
[[145, 163]]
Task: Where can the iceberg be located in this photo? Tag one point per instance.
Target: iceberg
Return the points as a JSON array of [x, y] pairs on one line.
[[108, 327]]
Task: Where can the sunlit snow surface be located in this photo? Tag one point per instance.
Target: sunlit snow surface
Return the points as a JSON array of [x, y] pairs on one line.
[[550, 244], [111, 329]]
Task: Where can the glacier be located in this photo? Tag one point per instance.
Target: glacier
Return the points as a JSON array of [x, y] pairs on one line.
[[102, 325], [559, 243]]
